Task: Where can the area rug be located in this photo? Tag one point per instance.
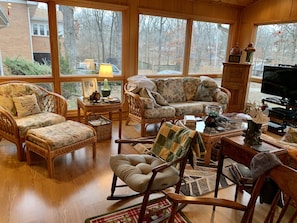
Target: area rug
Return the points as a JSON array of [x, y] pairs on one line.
[[130, 214], [202, 180]]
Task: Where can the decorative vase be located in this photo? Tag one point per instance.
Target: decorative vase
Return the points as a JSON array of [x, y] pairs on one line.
[[253, 133], [212, 111]]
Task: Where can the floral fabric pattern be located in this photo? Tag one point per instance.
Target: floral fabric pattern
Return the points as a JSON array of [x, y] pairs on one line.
[[188, 108], [190, 87], [20, 89], [171, 89], [37, 120], [62, 134], [161, 112]]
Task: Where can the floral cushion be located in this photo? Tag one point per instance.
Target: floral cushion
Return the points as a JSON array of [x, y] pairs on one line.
[[20, 89], [7, 103], [147, 102], [206, 90], [62, 134], [37, 120], [188, 108], [161, 112], [26, 105], [171, 89], [190, 87]]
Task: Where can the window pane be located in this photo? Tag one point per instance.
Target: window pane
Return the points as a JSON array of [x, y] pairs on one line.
[[70, 91], [208, 47], [17, 54], [161, 45], [88, 37], [275, 44]]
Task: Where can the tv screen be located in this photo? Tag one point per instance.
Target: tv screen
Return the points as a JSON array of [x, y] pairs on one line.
[[280, 81]]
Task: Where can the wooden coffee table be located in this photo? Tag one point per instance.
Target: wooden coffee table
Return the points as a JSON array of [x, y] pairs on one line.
[[212, 136]]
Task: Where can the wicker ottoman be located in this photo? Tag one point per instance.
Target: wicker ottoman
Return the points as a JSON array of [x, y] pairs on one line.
[[56, 140]]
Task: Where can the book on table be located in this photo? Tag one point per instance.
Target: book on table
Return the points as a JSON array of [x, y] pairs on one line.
[[241, 173]]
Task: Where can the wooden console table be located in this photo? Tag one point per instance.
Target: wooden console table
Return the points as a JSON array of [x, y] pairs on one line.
[[237, 150], [101, 107]]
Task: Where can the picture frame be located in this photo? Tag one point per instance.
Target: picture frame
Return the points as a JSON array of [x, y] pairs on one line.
[[234, 58], [89, 85]]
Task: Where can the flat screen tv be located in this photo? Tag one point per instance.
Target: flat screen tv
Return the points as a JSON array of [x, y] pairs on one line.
[[280, 81]]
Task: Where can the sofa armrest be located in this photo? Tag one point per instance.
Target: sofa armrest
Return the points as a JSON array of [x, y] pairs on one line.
[[8, 126], [225, 90], [135, 104]]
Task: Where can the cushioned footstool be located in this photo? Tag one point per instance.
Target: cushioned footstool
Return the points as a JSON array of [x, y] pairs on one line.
[[56, 140]]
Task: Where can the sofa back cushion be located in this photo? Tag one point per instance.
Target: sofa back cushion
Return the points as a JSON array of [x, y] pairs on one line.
[[10, 90], [206, 90], [190, 87], [171, 89]]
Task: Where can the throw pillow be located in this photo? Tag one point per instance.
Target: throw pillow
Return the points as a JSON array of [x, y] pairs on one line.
[[204, 94], [159, 98], [7, 103], [145, 93], [208, 82], [147, 102], [26, 105]]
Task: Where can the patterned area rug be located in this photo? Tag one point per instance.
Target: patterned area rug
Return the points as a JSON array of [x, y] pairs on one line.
[[202, 180], [130, 214]]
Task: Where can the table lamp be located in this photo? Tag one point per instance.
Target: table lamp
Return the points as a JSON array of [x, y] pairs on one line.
[[105, 71]]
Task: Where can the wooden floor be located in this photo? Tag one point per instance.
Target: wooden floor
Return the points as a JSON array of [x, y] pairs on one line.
[[79, 188]]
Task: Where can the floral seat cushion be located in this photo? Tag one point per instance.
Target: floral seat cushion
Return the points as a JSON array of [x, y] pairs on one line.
[[37, 120], [160, 112], [60, 135]]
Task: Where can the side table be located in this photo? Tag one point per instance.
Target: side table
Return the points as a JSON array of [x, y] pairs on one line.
[[211, 137], [237, 150], [100, 107]]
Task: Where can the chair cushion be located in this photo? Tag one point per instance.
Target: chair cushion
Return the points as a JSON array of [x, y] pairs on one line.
[[135, 171], [161, 112], [36, 121], [188, 108], [62, 134]]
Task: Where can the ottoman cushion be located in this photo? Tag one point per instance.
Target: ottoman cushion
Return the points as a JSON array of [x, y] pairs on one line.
[[60, 135]]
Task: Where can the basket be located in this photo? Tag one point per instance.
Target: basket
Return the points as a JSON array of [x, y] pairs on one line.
[[102, 126]]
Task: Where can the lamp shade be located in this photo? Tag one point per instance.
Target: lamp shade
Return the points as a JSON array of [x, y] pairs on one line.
[[105, 70]]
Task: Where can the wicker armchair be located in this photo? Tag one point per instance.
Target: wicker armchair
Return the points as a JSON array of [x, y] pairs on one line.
[[14, 127]]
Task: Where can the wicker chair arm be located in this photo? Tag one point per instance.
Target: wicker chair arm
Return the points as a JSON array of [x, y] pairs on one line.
[[8, 125], [54, 102], [225, 90], [135, 105]]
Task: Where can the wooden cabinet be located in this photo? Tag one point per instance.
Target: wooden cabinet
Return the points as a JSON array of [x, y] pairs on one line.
[[236, 79]]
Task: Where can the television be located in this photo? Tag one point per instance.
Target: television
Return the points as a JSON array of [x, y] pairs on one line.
[[280, 81]]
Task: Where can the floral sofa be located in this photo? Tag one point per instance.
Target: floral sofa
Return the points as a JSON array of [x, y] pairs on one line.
[[25, 106], [155, 100]]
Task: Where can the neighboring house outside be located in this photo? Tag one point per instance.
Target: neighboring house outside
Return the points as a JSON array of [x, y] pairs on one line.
[[26, 34]]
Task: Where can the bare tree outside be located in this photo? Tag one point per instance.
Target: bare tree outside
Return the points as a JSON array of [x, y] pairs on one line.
[[275, 44]]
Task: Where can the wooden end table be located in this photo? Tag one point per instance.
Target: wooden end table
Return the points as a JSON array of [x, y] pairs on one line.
[[240, 152], [99, 108], [212, 136]]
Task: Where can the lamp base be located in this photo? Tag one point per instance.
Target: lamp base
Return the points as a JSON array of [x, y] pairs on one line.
[[105, 93]]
